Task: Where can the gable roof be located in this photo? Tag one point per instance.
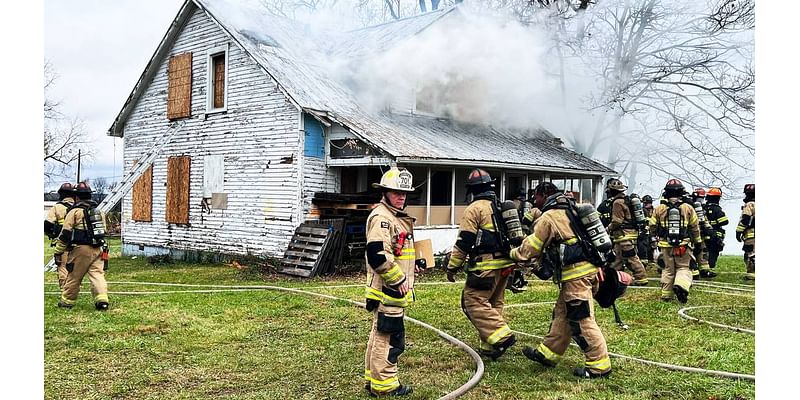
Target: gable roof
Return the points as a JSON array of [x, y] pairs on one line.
[[292, 55]]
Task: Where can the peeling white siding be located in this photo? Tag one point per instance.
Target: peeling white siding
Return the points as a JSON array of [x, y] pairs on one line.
[[258, 132]]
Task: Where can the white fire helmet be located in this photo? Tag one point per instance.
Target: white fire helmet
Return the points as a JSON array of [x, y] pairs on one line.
[[396, 179]]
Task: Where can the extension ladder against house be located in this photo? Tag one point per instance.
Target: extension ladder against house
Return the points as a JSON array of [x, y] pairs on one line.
[[127, 182]]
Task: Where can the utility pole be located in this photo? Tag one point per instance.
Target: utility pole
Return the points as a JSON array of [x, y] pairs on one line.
[[79, 167]]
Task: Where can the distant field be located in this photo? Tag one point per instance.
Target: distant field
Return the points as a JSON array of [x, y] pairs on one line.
[[264, 344]]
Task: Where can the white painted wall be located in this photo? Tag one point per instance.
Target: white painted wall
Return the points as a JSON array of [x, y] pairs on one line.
[[258, 132], [442, 239]]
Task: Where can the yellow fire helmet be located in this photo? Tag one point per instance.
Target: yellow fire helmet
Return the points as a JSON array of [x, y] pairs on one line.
[[396, 179]]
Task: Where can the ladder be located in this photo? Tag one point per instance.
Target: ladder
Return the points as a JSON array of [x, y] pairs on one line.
[[127, 182]]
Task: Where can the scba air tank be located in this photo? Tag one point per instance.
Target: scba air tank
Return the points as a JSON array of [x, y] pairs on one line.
[[674, 225], [597, 233], [513, 226], [638, 210], [98, 229]]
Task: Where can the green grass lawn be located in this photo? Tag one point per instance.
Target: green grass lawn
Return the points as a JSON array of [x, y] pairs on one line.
[[278, 345]]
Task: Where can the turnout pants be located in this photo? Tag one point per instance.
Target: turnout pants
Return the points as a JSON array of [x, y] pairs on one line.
[[62, 270], [713, 254], [387, 340], [749, 249], [482, 301], [573, 319], [84, 260], [676, 270], [626, 255]]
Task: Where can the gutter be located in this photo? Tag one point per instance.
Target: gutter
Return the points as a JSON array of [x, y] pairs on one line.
[[504, 165]]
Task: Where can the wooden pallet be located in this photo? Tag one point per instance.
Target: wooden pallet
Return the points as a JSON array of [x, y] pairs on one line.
[[316, 248]]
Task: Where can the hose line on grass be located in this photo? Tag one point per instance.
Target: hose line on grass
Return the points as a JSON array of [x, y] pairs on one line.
[[682, 313], [460, 391]]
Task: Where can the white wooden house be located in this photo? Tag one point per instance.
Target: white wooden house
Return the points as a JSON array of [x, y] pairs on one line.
[[264, 128]]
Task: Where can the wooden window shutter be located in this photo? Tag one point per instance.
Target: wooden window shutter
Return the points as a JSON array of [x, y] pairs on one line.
[[179, 94], [219, 80], [178, 190], [143, 197]]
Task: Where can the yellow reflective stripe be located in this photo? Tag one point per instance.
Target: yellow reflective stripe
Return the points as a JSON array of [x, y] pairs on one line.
[[488, 227], [547, 353], [693, 219], [750, 235], [407, 254], [740, 228], [394, 274], [367, 374], [501, 333], [535, 242], [101, 297], [374, 294], [66, 300], [384, 385], [666, 294], [722, 219], [602, 364], [684, 283], [498, 263], [578, 270], [455, 262], [664, 243], [571, 241]]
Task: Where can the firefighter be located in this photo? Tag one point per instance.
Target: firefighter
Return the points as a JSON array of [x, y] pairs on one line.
[[717, 218], [746, 230], [677, 228], [706, 232], [54, 222], [605, 206], [481, 251], [81, 246], [390, 282], [624, 232], [647, 202], [573, 316]]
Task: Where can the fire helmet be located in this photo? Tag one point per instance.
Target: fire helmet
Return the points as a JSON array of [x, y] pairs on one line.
[[615, 185], [83, 191], [395, 179], [714, 191], [750, 188], [647, 199], [66, 190], [674, 188], [699, 192], [478, 177]]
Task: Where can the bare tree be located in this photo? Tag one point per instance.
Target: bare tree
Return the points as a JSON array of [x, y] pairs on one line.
[[63, 136], [100, 185]]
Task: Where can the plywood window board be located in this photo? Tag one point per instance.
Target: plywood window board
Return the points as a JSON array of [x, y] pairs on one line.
[[178, 190], [143, 197], [218, 61], [179, 94]]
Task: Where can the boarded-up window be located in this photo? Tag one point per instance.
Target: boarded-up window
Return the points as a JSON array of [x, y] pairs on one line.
[[179, 95], [143, 197], [218, 61], [178, 190]]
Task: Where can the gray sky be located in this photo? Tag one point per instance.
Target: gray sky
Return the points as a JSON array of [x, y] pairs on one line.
[[99, 48]]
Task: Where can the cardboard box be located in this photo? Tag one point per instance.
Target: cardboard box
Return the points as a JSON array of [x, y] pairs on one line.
[[424, 249]]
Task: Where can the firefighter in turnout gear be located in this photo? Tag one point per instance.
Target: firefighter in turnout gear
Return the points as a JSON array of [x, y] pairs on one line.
[[82, 243], [706, 232], [746, 230], [481, 252], [605, 206], [677, 228], [573, 316], [624, 232], [647, 202], [392, 263], [55, 221], [717, 218]]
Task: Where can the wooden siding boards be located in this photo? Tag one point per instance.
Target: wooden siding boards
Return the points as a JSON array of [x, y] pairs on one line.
[[259, 128], [142, 197]]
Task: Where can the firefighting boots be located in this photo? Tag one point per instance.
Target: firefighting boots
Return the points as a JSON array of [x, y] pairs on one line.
[[535, 355], [101, 306], [500, 348], [681, 294], [401, 390], [707, 273], [64, 305], [583, 372]]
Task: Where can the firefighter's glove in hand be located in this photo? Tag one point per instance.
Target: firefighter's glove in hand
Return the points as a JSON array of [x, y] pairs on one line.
[[420, 265], [58, 258], [739, 236], [451, 275]]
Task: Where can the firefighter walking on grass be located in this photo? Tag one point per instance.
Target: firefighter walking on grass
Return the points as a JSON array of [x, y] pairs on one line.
[[717, 218], [706, 232], [625, 233], [746, 230], [81, 246], [55, 221], [392, 263], [676, 225], [573, 316], [480, 251]]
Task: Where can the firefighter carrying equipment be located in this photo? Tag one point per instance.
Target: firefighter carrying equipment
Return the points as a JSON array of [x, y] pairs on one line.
[[637, 209], [624, 232], [513, 227], [615, 185], [612, 286], [396, 180], [746, 229], [55, 217], [605, 211]]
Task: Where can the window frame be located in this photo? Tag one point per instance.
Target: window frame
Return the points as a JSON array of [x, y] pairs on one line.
[[210, 54]]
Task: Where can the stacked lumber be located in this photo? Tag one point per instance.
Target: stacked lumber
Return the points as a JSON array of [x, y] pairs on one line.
[[354, 210]]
